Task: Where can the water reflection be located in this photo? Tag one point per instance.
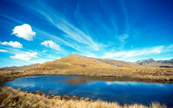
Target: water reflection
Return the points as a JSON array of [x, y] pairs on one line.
[[98, 88]]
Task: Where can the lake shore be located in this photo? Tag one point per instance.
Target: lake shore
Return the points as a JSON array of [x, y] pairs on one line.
[[8, 75], [15, 98], [11, 74]]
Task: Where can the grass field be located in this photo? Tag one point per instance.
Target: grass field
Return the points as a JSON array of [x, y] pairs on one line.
[[81, 65], [87, 66]]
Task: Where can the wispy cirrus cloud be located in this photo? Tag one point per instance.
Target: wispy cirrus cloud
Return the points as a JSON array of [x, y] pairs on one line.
[[14, 44], [60, 41], [72, 34], [138, 52], [2, 50], [122, 38]]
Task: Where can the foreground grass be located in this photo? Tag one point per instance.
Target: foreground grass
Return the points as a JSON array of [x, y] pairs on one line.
[[19, 99]]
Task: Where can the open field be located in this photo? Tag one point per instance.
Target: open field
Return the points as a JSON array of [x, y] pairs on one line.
[[15, 98]]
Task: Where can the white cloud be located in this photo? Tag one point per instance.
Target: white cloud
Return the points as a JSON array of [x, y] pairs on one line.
[[157, 51], [51, 44], [25, 56], [133, 53], [24, 31], [112, 55], [1, 50], [14, 44]]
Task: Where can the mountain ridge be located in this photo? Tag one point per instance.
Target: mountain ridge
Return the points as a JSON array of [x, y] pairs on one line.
[[151, 60]]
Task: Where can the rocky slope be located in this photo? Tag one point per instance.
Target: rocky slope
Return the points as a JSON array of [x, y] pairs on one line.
[[156, 63], [148, 61]]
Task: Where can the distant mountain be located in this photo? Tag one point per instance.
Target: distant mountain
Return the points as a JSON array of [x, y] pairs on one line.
[[165, 61], [156, 63], [19, 67], [144, 62], [148, 61]]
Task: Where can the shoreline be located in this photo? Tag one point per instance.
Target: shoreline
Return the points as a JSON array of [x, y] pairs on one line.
[[10, 97], [13, 77]]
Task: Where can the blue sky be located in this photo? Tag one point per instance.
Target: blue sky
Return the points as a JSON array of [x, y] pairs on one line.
[[36, 31]]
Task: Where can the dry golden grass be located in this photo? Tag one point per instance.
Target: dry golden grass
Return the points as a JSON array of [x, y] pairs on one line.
[[81, 65], [87, 66], [19, 99]]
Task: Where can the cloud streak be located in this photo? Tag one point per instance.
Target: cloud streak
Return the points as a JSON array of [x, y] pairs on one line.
[[134, 53], [71, 33], [2, 50]]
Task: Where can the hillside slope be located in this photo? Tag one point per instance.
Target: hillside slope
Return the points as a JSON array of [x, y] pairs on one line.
[[79, 62], [88, 66], [83, 61]]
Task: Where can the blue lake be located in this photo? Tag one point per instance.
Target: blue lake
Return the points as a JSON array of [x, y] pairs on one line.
[[107, 89]]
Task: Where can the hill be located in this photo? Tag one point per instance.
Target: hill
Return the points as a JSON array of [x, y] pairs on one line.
[[88, 66]]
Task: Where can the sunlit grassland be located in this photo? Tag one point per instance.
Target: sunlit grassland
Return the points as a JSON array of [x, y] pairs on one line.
[[87, 66], [81, 65], [19, 99]]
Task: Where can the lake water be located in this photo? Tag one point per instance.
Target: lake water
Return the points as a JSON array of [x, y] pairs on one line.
[[107, 89]]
